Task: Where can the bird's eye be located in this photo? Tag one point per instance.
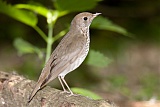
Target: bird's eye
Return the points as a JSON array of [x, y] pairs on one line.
[[85, 18]]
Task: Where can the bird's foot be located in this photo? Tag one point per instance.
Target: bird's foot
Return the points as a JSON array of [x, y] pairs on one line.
[[65, 91], [71, 94]]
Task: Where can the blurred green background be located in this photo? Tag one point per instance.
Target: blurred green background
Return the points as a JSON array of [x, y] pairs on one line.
[[133, 70]]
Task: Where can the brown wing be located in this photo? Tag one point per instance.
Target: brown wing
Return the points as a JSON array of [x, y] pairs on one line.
[[69, 49]]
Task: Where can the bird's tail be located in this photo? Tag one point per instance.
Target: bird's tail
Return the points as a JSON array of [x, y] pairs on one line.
[[40, 84], [37, 87]]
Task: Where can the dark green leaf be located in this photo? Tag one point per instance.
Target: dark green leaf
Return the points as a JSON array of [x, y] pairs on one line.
[[97, 59], [105, 24], [75, 5], [25, 47], [21, 15], [36, 8]]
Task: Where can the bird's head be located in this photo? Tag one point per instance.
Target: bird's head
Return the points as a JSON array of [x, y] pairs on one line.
[[83, 20]]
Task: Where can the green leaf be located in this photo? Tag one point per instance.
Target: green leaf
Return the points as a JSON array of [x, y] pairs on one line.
[[21, 15], [25, 47], [86, 93], [97, 59], [35, 8], [105, 24], [41, 10], [75, 5]]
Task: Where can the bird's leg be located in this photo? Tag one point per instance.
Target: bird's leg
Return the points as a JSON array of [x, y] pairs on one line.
[[62, 77], [59, 77]]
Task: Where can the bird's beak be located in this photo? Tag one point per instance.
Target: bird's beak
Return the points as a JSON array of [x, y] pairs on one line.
[[96, 14]]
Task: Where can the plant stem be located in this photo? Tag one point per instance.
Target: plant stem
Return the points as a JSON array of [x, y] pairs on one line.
[[51, 20], [49, 41], [60, 34], [41, 33]]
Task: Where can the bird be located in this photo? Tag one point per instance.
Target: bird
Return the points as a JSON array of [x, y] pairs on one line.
[[69, 53]]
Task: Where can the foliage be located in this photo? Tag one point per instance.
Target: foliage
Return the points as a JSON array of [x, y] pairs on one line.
[[26, 17], [29, 48], [97, 59], [86, 93], [105, 24], [75, 5]]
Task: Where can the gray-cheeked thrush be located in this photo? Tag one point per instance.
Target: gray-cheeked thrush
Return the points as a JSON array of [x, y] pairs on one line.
[[69, 54]]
